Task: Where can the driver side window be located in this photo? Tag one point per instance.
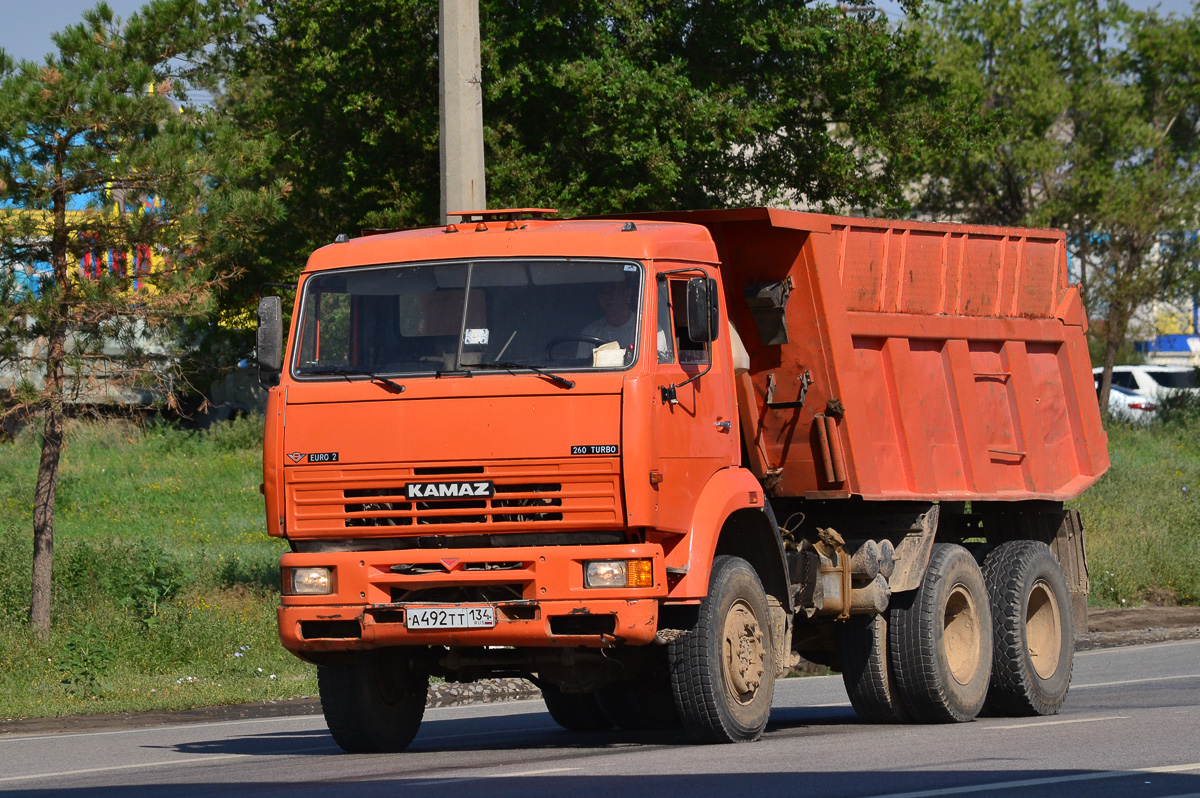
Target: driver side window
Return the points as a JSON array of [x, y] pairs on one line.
[[666, 330], [672, 326]]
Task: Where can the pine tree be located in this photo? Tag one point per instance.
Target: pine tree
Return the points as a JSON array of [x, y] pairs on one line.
[[123, 204]]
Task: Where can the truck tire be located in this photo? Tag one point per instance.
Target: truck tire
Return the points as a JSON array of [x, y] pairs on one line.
[[723, 671], [1033, 633], [374, 705], [867, 670], [940, 639], [639, 706], [574, 711]]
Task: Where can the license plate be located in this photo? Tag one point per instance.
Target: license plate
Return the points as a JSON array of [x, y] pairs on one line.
[[483, 617]]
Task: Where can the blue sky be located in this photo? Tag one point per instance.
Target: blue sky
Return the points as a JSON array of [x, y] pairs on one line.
[[26, 25]]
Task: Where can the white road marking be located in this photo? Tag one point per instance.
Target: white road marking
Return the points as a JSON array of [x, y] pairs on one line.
[[1010, 785], [1036, 724], [481, 777], [1136, 681], [4, 738], [528, 773], [167, 763]]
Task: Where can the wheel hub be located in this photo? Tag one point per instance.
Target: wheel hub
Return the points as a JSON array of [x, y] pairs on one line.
[[745, 653], [1043, 634], [960, 635]]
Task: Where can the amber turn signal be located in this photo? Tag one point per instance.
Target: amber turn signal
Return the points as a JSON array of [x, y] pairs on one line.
[[640, 573]]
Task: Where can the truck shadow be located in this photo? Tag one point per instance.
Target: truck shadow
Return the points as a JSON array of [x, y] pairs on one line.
[[809, 783], [527, 731]]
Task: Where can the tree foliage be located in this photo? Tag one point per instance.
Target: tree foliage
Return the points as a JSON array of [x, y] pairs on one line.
[[88, 138], [591, 107], [1094, 110]]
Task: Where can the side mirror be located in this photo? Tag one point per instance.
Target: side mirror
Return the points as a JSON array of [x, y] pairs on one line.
[[703, 314], [270, 337]]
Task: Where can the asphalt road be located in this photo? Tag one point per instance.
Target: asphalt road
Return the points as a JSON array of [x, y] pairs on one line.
[[1130, 727]]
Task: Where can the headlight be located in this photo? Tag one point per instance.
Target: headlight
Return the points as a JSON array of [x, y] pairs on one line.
[[316, 581], [618, 573]]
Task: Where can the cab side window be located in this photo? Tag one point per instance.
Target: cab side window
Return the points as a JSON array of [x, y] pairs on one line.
[[690, 352], [666, 329]]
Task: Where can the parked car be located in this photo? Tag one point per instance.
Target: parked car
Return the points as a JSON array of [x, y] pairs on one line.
[[1155, 382], [1127, 405]]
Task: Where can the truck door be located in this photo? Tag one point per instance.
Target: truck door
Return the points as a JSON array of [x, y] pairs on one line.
[[697, 434]]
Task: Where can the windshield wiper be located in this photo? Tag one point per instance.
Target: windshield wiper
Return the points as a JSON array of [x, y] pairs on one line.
[[390, 385], [555, 378]]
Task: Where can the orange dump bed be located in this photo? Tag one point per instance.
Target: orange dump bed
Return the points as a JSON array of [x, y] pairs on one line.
[[945, 361]]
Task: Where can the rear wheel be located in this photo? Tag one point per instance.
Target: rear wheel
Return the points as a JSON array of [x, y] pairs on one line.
[[374, 705], [941, 639], [1033, 633], [867, 670], [723, 671], [574, 711]]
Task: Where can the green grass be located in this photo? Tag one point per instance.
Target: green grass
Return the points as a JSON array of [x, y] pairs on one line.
[[1141, 521], [165, 582]]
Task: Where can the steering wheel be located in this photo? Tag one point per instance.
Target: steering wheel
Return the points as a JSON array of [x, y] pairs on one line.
[[579, 339]]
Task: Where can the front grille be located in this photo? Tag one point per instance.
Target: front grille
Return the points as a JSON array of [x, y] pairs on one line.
[[392, 510], [353, 511], [532, 506], [574, 494]]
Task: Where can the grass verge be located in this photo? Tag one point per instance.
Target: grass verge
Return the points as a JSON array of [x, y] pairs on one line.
[[165, 581], [1141, 520]]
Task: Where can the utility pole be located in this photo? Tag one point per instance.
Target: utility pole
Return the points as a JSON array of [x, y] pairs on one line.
[[461, 95]]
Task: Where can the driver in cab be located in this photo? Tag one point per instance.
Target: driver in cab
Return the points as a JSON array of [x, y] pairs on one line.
[[618, 322]]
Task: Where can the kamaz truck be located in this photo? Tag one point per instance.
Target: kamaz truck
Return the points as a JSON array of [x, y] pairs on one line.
[[649, 463]]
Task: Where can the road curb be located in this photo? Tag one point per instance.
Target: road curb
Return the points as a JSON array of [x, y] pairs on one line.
[[441, 694]]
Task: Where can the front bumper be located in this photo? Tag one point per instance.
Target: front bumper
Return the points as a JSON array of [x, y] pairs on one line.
[[537, 593]]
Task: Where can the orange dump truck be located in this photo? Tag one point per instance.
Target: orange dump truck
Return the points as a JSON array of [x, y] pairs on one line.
[[650, 462]]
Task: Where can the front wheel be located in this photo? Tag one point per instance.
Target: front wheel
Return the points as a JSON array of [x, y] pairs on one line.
[[1032, 627], [723, 671], [374, 705]]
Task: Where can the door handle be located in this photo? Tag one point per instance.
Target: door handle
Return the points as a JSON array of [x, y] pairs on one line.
[[724, 426]]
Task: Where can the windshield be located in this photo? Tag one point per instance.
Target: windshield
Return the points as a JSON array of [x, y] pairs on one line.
[[497, 314]]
